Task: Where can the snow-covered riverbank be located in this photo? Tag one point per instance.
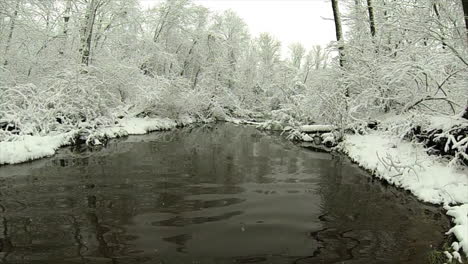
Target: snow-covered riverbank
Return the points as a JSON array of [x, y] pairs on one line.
[[26, 148], [402, 163], [407, 165]]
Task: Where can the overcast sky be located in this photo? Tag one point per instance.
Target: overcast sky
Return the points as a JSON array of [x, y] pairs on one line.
[[288, 20]]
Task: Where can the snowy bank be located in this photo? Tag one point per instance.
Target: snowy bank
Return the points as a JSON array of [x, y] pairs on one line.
[[26, 148], [407, 165], [134, 126]]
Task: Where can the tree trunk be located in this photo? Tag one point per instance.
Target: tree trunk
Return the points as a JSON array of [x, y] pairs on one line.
[[442, 38], [465, 12], [162, 24], [10, 33], [195, 80], [188, 58], [66, 17], [87, 32], [66, 21], [339, 37], [370, 9], [338, 29], [307, 74]]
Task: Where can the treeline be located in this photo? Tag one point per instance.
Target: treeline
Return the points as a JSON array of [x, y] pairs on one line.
[[403, 55], [67, 64]]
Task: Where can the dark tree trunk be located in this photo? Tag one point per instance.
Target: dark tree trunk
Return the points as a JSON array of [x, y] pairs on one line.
[[436, 11], [338, 30], [370, 9], [195, 80], [465, 12], [86, 41], [339, 36], [188, 59]]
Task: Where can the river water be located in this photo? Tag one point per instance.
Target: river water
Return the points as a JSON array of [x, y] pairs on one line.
[[213, 194]]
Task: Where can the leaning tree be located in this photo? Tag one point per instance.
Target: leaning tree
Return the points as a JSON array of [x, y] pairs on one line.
[[465, 12]]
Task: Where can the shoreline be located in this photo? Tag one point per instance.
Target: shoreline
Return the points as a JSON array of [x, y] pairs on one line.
[[400, 163], [407, 166], [29, 148]]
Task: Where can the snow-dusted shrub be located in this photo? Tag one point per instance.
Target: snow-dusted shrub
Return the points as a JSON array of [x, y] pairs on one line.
[[295, 111], [322, 101], [177, 98], [271, 125], [296, 135], [63, 102], [329, 103]]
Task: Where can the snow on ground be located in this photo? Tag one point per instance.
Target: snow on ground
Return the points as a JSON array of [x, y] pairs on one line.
[[445, 122], [460, 230], [139, 126], [26, 148], [136, 126], [407, 165]]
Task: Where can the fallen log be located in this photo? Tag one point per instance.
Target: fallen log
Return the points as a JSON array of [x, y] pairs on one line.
[[317, 128]]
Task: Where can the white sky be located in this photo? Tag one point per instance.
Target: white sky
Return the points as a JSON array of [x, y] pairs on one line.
[[288, 20]]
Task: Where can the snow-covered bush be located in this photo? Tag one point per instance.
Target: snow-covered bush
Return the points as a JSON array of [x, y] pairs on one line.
[[63, 102]]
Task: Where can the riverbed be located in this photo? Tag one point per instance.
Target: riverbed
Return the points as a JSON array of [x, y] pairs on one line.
[[217, 193]]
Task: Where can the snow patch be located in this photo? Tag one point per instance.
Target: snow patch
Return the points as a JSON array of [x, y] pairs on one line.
[[446, 122], [460, 230], [26, 148], [140, 126]]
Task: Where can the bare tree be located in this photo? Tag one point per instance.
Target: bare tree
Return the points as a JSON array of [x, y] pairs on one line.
[[297, 52]]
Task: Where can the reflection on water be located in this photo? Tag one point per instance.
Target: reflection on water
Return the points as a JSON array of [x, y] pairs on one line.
[[213, 194]]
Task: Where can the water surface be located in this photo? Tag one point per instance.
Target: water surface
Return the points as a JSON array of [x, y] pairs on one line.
[[214, 194]]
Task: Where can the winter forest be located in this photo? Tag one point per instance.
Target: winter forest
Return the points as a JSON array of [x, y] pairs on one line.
[[84, 64], [391, 93]]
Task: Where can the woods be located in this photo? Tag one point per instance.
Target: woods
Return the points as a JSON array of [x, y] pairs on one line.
[[390, 91], [85, 64]]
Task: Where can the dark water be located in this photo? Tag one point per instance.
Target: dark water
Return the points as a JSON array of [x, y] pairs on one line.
[[215, 194]]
